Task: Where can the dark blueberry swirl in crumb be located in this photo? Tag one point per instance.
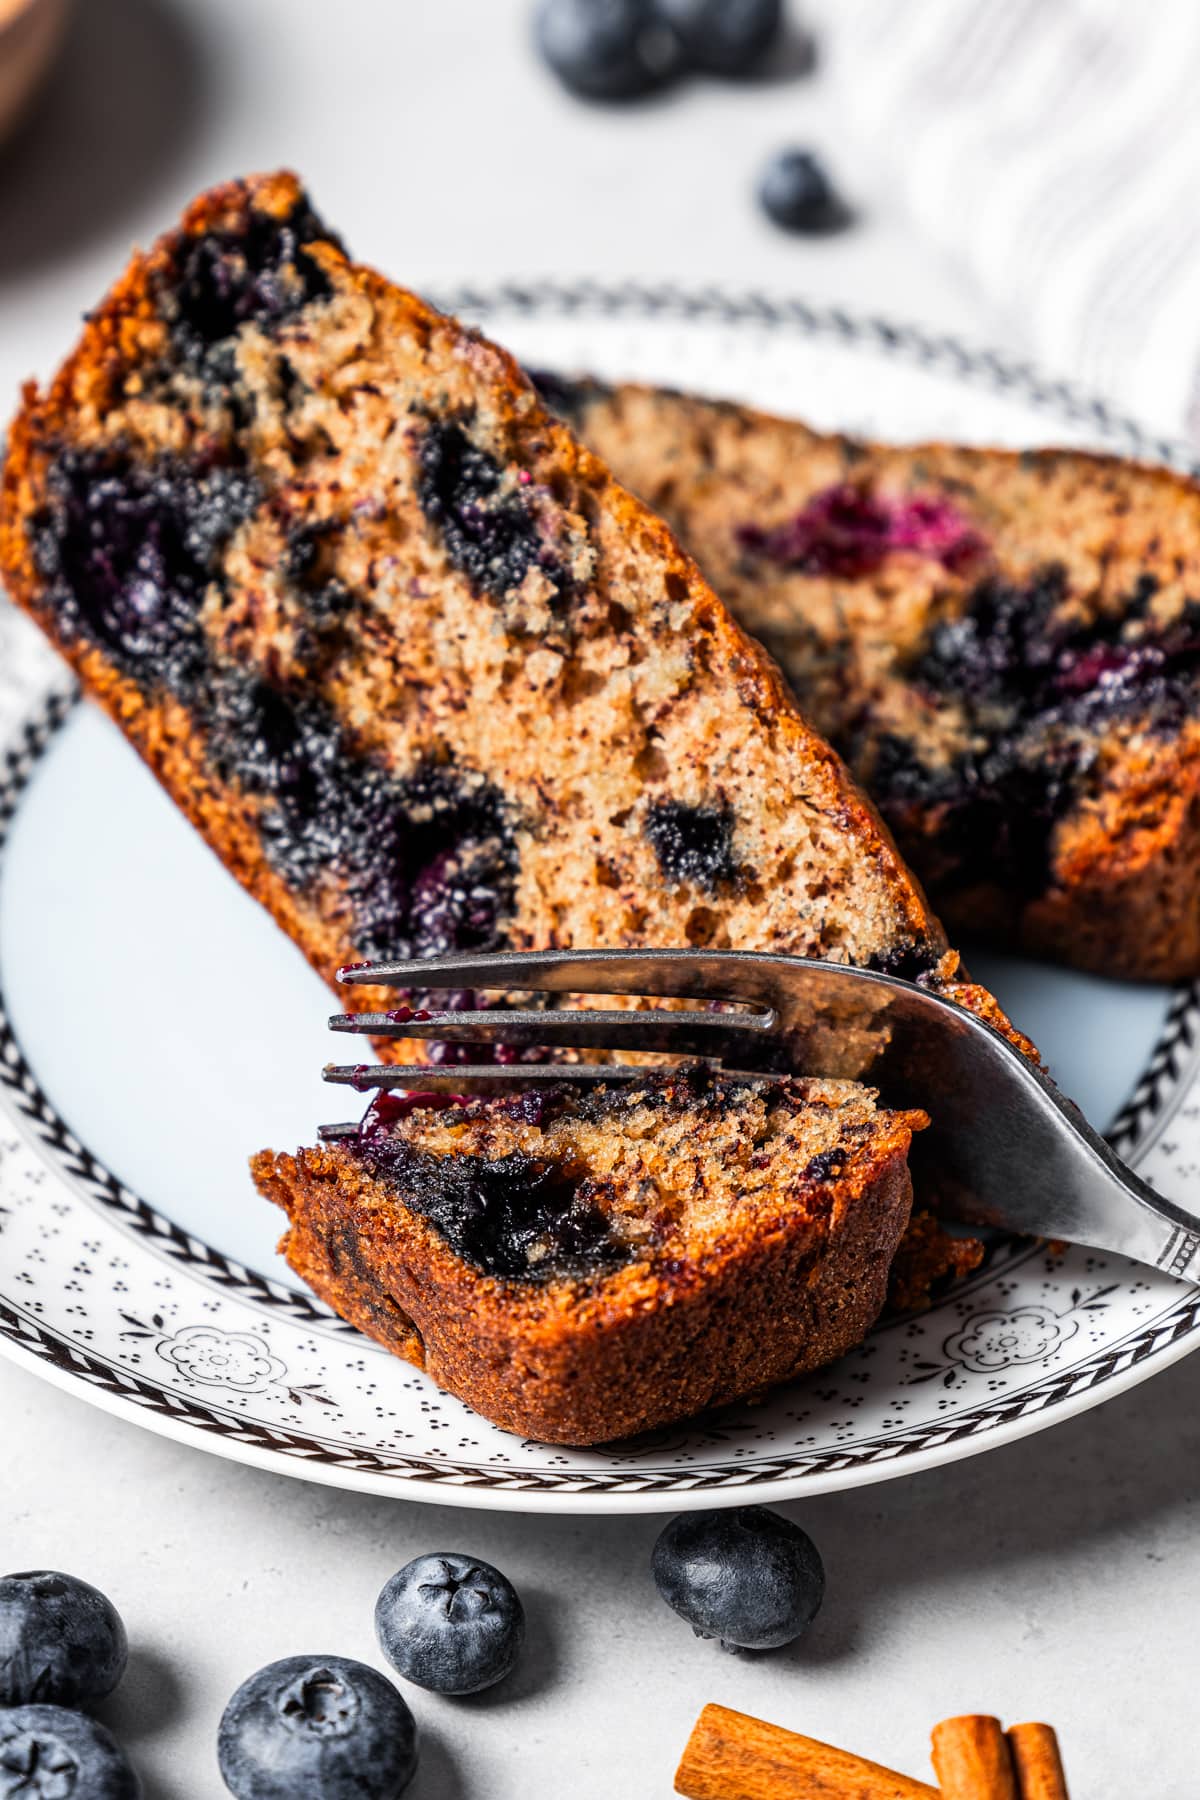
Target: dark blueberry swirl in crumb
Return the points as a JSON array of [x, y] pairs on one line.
[[131, 552], [492, 532], [260, 274], [912, 961], [428, 860], [693, 843], [518, 1217], [1036, 686]]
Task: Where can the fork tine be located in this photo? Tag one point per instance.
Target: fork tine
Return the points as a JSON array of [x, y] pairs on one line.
[[483, 1078], [466, 1077], [677, 973], [685, 1032]]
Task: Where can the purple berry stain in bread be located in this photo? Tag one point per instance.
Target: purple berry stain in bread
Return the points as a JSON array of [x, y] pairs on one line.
[[488, 523], [1016, 651], [693, 843], [387, 1109], [532, 1106], [454, 899], [326, 599], [849, 531]]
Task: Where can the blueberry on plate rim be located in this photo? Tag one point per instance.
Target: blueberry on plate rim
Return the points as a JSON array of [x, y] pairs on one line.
[[325, 1727], [745, 1575], [62, 1642], [796, 192], [51, 1753], [450, 1623], [606, 49], [723, 37]]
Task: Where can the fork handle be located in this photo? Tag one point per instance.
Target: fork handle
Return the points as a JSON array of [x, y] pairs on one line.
[[1180, 1253], [1124, 1212], [1165, 1235], [1172, 1186]]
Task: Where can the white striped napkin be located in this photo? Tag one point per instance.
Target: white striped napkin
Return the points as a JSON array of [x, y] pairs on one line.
[[1053, 147]]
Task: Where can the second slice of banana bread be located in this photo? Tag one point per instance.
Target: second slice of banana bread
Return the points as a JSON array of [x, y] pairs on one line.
[[1005, 647]]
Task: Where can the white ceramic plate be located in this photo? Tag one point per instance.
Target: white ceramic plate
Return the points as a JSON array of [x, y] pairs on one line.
[[137, 1265]]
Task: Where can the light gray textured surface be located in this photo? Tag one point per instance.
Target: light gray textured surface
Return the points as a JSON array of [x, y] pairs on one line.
[[1059, 1578]]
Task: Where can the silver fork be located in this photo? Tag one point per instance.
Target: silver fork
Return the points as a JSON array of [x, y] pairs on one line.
[[1005, 1148]]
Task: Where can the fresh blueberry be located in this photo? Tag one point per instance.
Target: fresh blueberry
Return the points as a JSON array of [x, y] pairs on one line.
[[796, 192], [61, 1642], [48, 1753], [606, 49], [450, 1623], [321, 1726], [723, 37], [747, 1576]]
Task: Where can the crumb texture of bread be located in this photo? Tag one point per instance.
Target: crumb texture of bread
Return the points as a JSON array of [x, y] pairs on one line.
[[423, 674], [580, 1268], [1004, 646]]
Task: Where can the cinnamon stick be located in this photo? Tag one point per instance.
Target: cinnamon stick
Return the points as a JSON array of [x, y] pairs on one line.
[[29, 36], [972, 1759], [731, 1756], [1037, 1762]]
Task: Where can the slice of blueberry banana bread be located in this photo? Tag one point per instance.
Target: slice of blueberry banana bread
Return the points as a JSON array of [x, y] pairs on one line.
[[582, 1266], [1005, 648], [424, 676]]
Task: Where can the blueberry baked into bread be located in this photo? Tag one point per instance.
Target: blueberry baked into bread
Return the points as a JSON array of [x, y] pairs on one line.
[[582, 1265], [1004, 647], [427, 679]]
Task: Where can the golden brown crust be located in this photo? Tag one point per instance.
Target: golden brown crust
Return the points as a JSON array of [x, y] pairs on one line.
[[637, 1349]]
